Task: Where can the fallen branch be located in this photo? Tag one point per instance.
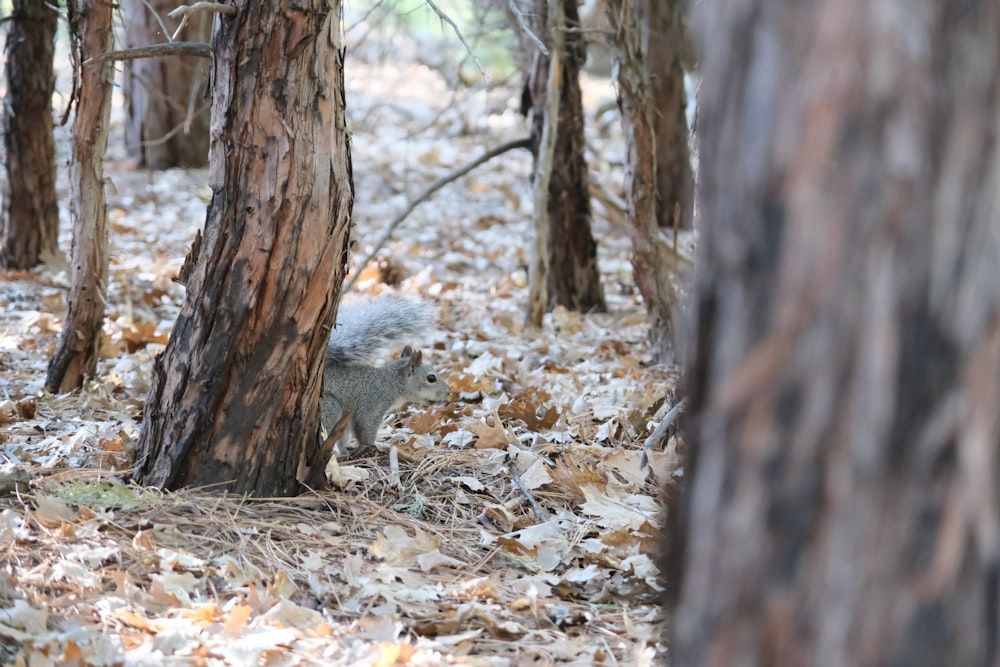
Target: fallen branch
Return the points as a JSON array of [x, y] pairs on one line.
[[535, 507], [200, 49], [426, 194], [660, 431]]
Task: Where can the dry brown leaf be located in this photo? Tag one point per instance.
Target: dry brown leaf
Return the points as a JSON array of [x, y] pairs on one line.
[[493, 435]]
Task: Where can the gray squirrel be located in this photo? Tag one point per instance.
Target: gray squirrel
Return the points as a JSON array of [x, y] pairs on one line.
[[366, 328]]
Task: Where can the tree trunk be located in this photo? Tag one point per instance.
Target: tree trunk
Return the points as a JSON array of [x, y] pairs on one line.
[[572, 280], [654, 263], [75, 356], [30, 231], [843, 507], [166, 103], [665, 45], [235, 396]]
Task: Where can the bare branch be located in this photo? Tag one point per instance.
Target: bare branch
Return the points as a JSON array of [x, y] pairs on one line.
[[184, 10], [155, 51], [519, 15], [426, 194], [183, 126], [447, 19]]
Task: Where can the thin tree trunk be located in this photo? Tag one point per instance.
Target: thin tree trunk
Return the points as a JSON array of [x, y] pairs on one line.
[[572, 279], [235, 396], [166, 105], [654, 264], [30, 231], [75, 356], [844, 506], [546, 123], [665, 45]]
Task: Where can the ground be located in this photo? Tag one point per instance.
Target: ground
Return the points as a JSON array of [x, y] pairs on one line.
[[514, 524]]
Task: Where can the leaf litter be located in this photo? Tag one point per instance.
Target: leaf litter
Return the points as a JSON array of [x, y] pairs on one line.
[[511, 525]]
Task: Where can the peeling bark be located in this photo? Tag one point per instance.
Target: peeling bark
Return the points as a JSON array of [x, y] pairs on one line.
[[235, 395], [665, 45], [30, 230], [654, 264], [571, 278], [76, 352], [844, 506]]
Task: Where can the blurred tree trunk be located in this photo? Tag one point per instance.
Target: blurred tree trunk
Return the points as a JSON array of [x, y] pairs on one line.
[[75, 356], [30, 231], [654, 263], [843, 507], [666, 49], [166, 104], [572, 279], [234, 400]]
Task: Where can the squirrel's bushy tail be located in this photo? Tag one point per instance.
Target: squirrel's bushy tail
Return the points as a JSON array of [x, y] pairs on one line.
[[367, 327]]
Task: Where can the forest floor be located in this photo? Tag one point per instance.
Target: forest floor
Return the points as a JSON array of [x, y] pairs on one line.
[[511, 525]]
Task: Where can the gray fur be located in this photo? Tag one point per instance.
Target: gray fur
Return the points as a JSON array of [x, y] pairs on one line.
[[364, 329], [369, 327]]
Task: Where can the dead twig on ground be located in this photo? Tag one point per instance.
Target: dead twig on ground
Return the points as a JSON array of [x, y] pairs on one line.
[[657, 435]]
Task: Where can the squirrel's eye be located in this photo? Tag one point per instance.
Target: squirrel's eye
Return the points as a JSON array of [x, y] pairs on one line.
[[431, 378]]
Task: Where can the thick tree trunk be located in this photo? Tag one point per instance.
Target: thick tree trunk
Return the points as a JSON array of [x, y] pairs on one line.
[[572, 280], [654, 263], [75, 356], [166, 104], [665, 45], [30, 230], [843, 507], [235, 395]]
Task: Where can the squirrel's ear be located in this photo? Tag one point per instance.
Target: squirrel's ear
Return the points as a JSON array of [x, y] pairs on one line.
[[407, 352], [415, 360]]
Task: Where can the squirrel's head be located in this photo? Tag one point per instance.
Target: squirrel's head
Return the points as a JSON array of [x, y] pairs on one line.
[[422, 382]]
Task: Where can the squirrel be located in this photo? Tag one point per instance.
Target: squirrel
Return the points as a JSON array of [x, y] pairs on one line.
[[366, 328]]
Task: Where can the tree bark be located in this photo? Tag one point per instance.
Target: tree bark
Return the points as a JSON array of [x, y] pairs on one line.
[[572, 279], [30, 231], [166, 103], [235, 396], [843, 507], [76, 352], [654, 264], [665, 46]]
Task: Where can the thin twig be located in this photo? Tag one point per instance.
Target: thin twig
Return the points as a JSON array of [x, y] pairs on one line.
[[180, 26], [156, 15], [426, 194], [523, 24], [201, 49], [183, 126], [527, 494], [447, 19]]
